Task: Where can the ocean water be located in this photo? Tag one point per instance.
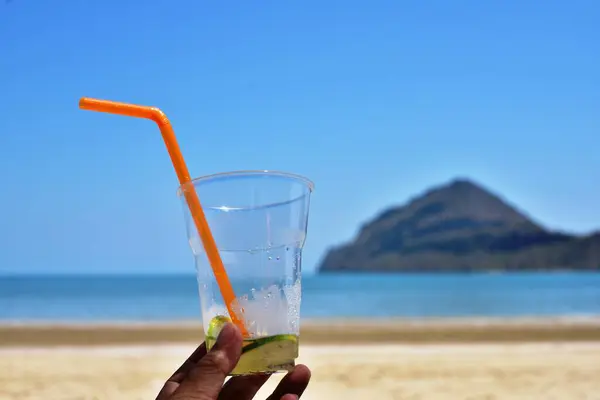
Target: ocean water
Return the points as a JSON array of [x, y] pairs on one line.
[[168, 298]]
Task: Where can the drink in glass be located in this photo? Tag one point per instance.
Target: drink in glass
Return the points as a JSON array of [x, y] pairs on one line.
[[259, 221]]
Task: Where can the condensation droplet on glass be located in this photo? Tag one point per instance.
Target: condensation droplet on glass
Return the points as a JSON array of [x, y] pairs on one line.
[[270, 258], [278, 258]]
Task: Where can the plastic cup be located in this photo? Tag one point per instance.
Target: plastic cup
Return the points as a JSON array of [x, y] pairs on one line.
[[259, 222]]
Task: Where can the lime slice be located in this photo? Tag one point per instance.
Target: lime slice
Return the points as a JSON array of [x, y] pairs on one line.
[[215, 326], [280, 340], [268, 354], [264, 354]]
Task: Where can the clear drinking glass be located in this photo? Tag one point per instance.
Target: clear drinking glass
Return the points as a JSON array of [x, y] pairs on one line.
[[259, 222]]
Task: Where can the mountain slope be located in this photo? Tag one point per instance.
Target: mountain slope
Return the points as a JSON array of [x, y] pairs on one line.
[[460, 227]]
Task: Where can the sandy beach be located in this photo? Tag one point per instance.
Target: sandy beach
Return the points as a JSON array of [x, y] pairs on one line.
[[458, 359]]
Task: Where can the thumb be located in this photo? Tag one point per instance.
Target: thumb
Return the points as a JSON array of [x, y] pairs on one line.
[[205, 380]]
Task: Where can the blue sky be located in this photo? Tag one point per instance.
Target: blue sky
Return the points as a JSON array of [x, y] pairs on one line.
[[374, 101]]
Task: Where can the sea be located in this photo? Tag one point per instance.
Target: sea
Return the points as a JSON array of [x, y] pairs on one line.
[[164, 298]]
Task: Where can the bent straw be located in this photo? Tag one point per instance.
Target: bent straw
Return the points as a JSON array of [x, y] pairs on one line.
[[156, 115]]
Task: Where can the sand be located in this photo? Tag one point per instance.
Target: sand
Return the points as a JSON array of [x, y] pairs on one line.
[[448, 362]]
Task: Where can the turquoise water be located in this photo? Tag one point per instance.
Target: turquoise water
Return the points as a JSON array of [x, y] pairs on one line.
[[164, 298]]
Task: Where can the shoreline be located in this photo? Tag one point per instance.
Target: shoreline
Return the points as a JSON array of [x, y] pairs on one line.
[[313, 331]]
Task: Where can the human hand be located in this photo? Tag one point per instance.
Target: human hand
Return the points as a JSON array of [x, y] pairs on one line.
[[202, 375]]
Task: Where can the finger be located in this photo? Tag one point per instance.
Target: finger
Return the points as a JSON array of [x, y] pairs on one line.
[[173, 382], [205, 379], [290, 397], [243, 387], [294, 383]]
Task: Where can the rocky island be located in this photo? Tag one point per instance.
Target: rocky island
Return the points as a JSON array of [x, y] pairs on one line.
[[460, 226]]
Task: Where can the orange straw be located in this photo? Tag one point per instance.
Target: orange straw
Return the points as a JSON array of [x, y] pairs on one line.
[[156, 115]]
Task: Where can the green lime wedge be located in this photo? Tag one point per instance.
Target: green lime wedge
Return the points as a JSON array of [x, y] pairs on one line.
[[264, 354], [269, 353], [279, 340], [215, 325]]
